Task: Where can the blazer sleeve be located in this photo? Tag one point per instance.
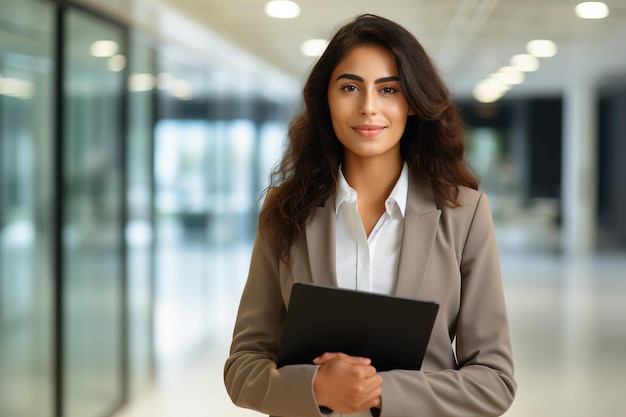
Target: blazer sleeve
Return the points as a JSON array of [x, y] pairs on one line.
[[483, 383], [250, 374]]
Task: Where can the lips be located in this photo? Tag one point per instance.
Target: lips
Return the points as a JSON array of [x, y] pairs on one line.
[[368, 130]]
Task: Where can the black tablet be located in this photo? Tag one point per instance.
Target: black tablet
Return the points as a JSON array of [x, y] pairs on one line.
[[392, 331]]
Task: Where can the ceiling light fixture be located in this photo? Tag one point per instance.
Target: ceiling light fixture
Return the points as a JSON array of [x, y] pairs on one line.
[[313, 47], [525, 62], [490, 90], [104, 49], [282, 9], [592, 10], [117, 63], [541, 48], [14, 87], [182, 90], [509, 75], [141, 82]]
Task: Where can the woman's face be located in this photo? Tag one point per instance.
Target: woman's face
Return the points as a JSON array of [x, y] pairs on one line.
[[367, 107]]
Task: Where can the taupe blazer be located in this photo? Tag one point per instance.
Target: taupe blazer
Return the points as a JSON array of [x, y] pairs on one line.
[[448, 255]]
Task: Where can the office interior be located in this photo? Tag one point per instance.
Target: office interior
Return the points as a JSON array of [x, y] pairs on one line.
[[130, 184]]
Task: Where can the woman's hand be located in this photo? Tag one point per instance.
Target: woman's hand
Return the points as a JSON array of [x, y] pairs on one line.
[[346, 384]]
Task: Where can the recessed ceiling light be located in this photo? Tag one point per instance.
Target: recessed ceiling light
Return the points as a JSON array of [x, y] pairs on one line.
[[282, 9], [313, 47], [525, 62], [592, 10], [104, 49], [490, 90], [509, 75], [141, 82], [541, 48], [182, 90], [14, 87], [117, 63]]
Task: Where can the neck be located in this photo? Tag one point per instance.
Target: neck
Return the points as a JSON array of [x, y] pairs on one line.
[[372, 178]]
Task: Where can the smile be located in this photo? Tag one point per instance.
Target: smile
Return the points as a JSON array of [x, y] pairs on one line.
[[368, 131]]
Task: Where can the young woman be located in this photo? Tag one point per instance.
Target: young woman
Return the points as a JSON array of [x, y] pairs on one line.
[[374, 194]]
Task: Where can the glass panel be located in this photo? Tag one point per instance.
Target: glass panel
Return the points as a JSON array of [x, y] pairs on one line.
[[234, 211], [25, 200], [182, 227], [92, 233], [213, 141], [271, 147], [182, 305], [139, 233]]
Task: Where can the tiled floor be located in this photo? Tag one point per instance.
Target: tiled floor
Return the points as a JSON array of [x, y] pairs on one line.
[[568, 322]]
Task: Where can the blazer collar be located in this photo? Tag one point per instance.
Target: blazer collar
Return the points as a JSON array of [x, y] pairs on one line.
[[320, 243], [420, 227]]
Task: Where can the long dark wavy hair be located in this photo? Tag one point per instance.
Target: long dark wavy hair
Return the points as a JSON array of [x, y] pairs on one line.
[[433, 142]]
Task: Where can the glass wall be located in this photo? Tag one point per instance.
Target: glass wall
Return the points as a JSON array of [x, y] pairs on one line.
[[182, 155], [139, 228], [26, 154], [93, 216], [214, 145], [121, 195]]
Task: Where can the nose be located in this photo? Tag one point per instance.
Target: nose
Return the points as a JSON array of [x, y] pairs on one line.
[[369, 102]]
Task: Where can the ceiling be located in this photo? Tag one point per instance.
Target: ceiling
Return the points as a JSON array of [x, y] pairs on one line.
[[468, 39]]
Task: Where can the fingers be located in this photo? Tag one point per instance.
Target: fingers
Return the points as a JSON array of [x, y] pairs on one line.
[[372, 393], [344, 386], [361, 396], [355, 360]]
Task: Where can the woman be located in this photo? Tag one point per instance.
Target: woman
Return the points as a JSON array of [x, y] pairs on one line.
[[374, 194]]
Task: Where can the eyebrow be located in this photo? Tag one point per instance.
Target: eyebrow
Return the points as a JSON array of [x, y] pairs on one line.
[[360, 79]]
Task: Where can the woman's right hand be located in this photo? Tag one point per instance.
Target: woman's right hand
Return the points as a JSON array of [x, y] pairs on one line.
[[346, 384]]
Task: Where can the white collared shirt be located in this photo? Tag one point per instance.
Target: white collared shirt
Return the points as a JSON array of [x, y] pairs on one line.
[[369, 264]]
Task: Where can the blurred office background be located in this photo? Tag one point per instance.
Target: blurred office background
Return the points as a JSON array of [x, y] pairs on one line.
[[137, 135]]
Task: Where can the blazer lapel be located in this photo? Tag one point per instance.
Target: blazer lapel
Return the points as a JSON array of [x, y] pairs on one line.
[[420, 228], [320, 241]]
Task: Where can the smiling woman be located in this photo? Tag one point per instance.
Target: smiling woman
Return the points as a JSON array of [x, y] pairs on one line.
[[374, 194]]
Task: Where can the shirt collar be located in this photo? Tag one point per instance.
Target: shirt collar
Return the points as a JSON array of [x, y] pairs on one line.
[[345, 193], [398, 195]]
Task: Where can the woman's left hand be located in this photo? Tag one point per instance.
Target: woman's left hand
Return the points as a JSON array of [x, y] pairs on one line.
[[346, 384]]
